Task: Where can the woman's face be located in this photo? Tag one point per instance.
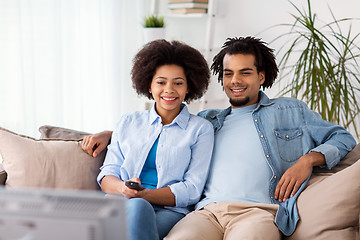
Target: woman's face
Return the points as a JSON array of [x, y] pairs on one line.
[[169, 88]]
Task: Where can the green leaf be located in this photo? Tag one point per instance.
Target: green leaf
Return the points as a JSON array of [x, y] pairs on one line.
[[320, 65], [154, 21]]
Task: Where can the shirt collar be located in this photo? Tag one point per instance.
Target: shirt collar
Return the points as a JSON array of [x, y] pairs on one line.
[[181, 119], [263, 101]]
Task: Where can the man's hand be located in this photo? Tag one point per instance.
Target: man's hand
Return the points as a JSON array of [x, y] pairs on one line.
[[96, 143], [292, 179]]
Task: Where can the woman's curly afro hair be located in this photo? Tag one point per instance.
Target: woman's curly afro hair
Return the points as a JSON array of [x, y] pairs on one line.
[[161, 52]]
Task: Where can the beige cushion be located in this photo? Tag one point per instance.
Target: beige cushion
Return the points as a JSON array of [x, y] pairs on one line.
[[51, 132], [347, 161], [62, 164], [329, 207]]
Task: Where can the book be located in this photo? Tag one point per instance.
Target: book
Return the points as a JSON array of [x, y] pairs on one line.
[[188, 1], [188, 10], [188, 5]]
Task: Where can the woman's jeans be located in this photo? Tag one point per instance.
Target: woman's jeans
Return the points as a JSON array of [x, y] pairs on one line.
[[149, 222]]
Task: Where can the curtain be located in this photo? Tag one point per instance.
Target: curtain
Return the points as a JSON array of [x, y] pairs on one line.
[[67, 63]]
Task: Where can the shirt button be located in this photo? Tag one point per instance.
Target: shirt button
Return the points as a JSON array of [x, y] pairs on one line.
[[262, 136], [256, 120], [271, 197], [287, 136], [267, 156], [275, 177]]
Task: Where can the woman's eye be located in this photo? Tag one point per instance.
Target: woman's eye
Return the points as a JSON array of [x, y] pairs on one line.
[[179, 83]]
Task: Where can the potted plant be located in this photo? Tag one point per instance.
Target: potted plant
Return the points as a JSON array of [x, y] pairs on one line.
[[319, 65], [153, 28]]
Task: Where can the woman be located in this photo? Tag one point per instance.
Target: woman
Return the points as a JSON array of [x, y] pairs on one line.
[[166, 149]]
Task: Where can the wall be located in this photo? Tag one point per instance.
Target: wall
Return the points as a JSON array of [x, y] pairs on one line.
[[242, 18], [233, 18], [67, 63]]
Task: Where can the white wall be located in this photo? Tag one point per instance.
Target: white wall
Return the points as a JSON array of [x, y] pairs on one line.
[[67, 63], [242, 18], [233, 18]]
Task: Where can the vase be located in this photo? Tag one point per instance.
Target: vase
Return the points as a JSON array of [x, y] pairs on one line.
[[151, 34]]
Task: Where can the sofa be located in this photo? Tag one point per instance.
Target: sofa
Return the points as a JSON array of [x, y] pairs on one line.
[[329, 207]]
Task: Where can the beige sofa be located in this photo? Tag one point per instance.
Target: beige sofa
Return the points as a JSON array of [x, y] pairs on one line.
[[329, 207]]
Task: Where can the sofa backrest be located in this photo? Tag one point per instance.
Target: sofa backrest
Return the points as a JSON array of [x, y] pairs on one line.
[[63, 163]]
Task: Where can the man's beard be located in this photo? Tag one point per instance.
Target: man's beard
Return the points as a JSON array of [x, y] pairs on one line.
[[239, 102]]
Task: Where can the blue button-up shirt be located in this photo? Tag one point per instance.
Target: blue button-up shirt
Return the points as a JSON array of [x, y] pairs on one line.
[[287, 130], [182, 158]]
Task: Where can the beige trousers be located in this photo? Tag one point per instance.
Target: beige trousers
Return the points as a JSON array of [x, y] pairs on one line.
[[230, 221]]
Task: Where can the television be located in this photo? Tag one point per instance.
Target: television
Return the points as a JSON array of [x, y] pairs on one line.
[[45, 214]]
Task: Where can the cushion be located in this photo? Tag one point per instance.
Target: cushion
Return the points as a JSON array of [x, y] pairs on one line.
[[47, 163], [347, 161], [51, 132], [329, 207]]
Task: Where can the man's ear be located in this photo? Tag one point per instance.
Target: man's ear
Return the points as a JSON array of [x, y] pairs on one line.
[[262, 77]]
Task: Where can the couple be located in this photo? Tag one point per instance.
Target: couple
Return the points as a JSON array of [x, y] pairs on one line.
[[262, 150]]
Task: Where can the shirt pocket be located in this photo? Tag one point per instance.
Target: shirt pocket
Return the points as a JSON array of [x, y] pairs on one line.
[[289, 143], [177, 162]]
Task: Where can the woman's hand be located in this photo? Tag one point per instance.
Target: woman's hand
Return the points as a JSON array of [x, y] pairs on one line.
[[96, 143], [132, 193], [113, 185], [160, 196]]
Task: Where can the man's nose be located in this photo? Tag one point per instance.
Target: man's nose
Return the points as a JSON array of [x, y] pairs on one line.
[[235, 78]]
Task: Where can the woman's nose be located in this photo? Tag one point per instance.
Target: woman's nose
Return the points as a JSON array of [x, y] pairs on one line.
[[169, 88]]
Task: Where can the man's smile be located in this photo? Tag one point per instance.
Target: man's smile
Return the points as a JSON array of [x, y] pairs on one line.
[[238, 91]]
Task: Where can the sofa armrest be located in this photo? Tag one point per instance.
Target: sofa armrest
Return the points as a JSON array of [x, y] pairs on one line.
[[3, 175]]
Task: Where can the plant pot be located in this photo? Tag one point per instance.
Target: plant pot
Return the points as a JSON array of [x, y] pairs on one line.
[[151, 34]]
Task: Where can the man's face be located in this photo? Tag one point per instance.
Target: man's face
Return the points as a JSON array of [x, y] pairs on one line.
[[241, 80]]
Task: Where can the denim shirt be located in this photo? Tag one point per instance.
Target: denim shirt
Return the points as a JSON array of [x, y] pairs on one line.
[[288, 129], [182, 158]]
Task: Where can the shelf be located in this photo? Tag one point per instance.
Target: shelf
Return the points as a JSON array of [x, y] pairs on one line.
[[188, 15]]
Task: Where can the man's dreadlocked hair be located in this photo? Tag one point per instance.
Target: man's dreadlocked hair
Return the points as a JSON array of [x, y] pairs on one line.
[[264, 57]]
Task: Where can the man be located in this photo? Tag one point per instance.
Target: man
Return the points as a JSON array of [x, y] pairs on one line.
[[263, 155]]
